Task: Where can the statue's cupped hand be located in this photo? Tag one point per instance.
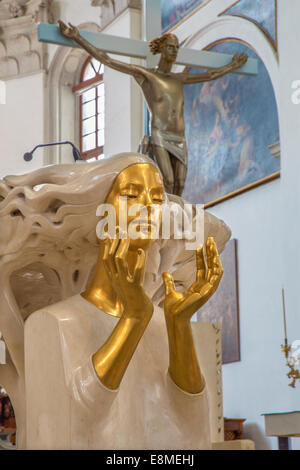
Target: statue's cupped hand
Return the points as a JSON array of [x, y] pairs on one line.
[[128, 286], [183, 305]]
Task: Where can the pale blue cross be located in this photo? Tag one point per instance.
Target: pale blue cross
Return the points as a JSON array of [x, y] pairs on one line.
[[140, 49]]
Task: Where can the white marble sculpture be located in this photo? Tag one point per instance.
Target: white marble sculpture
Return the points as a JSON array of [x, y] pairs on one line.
[[48, 248]]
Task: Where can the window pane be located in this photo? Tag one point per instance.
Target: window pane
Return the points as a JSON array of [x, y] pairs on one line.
[[89, 95], [101, 104], [96, 65], [101, 71], [101, 121], [101, 137], [89, 109], [89, 125], [89, 142], [89, 73], [101, 89]]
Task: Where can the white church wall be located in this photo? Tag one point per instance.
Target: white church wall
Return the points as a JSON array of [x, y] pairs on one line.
[[289, 37], [21, 122], [257, 384], [23, 61], [52, 105], [261, 219], [123, 100]]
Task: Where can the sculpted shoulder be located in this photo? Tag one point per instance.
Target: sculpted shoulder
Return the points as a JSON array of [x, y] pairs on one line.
[[62, 310]]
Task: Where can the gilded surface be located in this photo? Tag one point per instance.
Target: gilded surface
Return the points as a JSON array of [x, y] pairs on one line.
[[117, 288]]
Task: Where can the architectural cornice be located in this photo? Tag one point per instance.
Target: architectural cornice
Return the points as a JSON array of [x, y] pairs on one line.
[[111, 9], [20, 51]]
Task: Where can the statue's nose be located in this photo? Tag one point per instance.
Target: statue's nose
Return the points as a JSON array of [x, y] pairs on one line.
[[147, 199]]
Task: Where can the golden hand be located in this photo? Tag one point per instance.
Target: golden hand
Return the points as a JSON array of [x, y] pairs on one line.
[[128, 287], [112, 359], [179, 307], [183, 305], [70, 32], [239, 60]]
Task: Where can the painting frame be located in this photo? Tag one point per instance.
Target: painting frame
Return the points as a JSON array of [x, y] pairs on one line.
[[237, 192], [274, 43], [267, 179]]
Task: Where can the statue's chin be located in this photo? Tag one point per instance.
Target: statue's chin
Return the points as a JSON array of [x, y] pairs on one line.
[[142, 242]]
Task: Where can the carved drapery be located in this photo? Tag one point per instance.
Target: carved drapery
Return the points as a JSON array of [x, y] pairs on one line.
[[20, 51]]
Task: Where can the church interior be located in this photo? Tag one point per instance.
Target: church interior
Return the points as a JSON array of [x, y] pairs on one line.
[[237, 147]]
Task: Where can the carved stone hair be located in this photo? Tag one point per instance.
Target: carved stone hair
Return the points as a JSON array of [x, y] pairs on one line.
[[158, 43], [48, 240]]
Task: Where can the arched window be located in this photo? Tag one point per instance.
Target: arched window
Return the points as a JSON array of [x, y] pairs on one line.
[[91, 115]]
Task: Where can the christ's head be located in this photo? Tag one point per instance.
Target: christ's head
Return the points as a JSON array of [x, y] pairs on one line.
[[167, 45]]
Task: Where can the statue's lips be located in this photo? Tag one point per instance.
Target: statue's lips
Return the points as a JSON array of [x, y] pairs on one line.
[[145, 224]]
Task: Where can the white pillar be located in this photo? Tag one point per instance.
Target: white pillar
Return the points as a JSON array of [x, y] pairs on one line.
[[123, 98]]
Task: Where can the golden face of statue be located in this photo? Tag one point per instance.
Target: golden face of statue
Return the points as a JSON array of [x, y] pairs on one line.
[[170, 49], [138, 184]]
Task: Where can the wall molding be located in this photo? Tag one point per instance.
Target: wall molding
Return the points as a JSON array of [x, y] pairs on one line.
[[20, 51], [111, 9]]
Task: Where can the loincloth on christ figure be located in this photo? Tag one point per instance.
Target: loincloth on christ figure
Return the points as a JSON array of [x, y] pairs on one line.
[[173, 143]]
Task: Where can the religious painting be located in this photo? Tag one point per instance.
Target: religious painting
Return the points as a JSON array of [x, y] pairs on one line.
[[174, 11], [230, 125], [223, 307], [261, 12]]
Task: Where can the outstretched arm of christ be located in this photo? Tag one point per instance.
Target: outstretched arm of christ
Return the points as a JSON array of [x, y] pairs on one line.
[[71, 32], [190, 78]]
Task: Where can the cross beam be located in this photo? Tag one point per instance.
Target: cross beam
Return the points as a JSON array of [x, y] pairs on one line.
[[135, 48]]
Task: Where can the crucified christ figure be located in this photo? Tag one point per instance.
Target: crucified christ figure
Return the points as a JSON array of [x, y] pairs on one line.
[[163, 92]]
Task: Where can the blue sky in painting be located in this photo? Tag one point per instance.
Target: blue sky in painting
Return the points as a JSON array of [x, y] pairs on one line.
[[261, 11], [175, 10]]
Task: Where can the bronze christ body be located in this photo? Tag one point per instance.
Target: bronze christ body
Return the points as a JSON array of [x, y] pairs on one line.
[[163, 92]]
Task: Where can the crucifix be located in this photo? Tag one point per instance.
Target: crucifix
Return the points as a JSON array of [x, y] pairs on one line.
[[162, 89]]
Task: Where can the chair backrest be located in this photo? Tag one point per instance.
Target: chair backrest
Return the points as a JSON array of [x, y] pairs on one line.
[[208, 343]]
